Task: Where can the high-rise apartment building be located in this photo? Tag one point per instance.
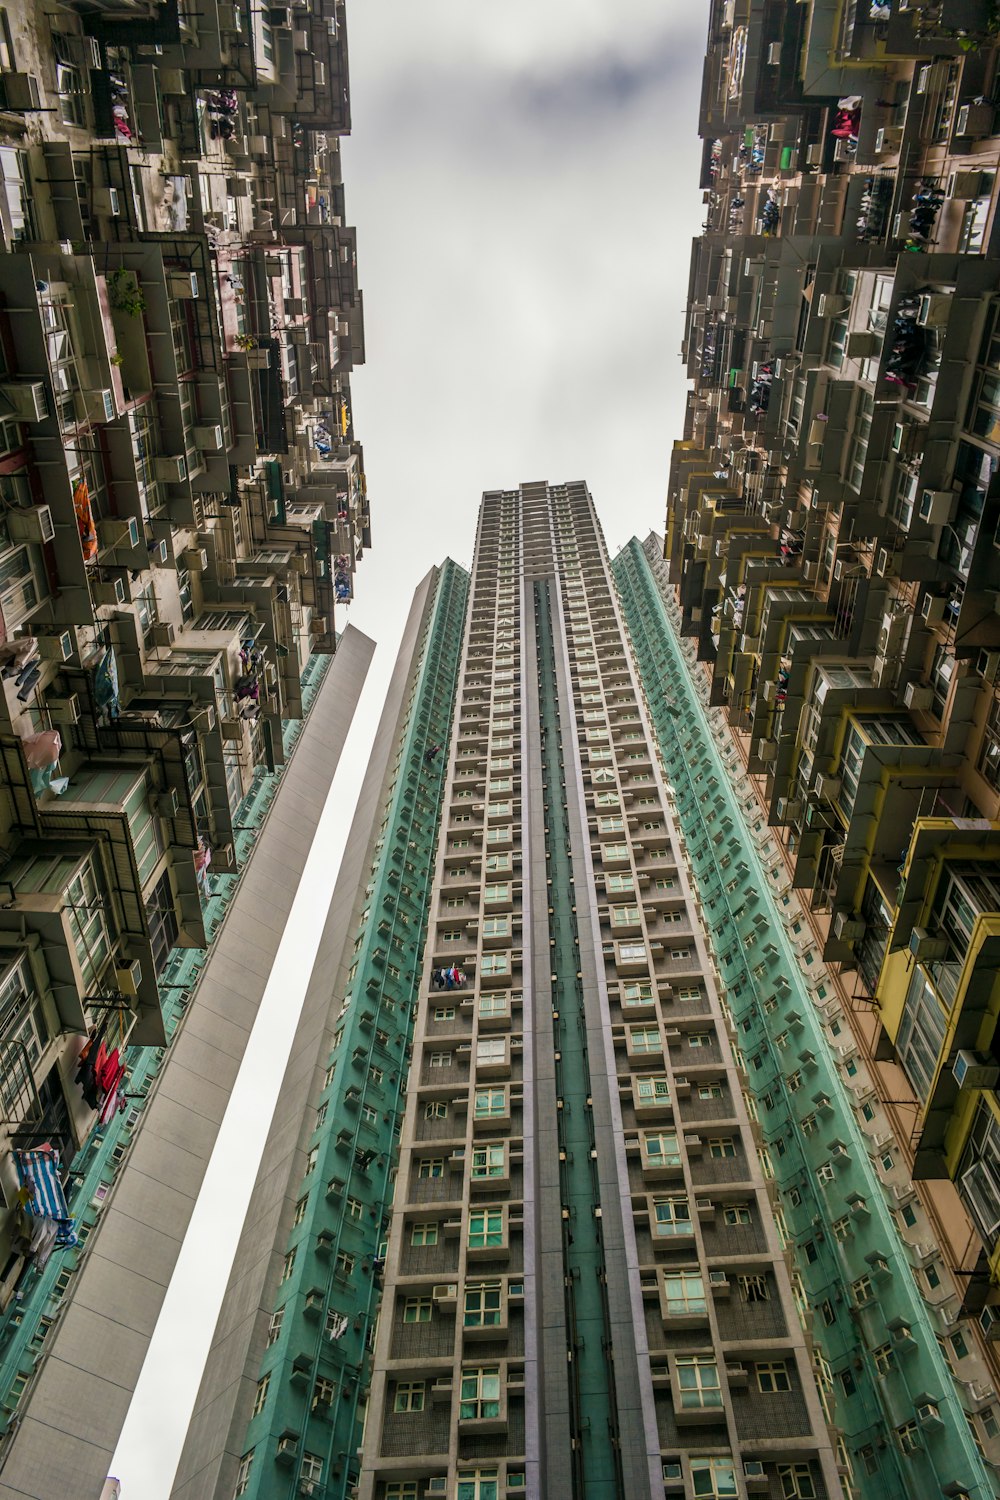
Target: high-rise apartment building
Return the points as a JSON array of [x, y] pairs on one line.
[[580, 1282], [183, 507], [831, 535]]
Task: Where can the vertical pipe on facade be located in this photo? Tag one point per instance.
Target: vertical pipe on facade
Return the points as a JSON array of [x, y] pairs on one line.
[[595, 1427]]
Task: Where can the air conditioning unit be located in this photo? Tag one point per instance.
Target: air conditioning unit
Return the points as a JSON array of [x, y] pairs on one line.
[[673, 1476], [924, 946], [830, 305], [171, 468], [27, 398], [61, 647], [109, 591], [975, 119], [163, 633], [788, 809], [918, 695], [101, 405], [195, 558], [814, 154], [769, 690], [933, 309], [988, 665], [847, 928], [989, 1322], [928, 1412], [107, 200], [128, 977], [64, 710], [828, 787], [20, 92], [932, 609], [971, 1071], [30, 523], [159, 553], [863, 344], [208, 439], [447, 1291], [717, 1279], [884, 563], [754, 1472], [937, 507], [438, 1485], [767, 751], [183, 284], [116, 532], [168, 802], [773, 54]]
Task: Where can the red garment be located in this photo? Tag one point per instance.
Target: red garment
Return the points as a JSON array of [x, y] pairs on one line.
[[107, 1070]]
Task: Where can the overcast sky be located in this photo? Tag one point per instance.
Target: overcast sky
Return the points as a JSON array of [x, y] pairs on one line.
[[523, 177]]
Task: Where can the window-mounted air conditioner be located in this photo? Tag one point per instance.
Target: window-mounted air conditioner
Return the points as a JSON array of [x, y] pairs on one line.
[[30, 523]]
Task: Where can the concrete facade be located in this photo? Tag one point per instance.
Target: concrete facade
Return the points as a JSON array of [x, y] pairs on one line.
[[71, 1421], [215, 1441]]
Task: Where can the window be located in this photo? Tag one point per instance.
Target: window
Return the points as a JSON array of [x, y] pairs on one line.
[[483, 1304], [261, 1395], [753, 1288], [409, 1396], [645, 1039], [439, 1060], [772, 1376], [312, 1468], [653, 1088], [491, 1049], [624, 916], [486, 1230], [495, 963], [344, 1265], [698, 1382], [300, 1210], [288, 1264], [430, 1166], [909, 1437], [312, 1157], [672, 1216], [661, 1148], [490, 1103], [417, 1310], [496, 927], [479, 1397], [274, 1326], [796, 1482], [488, 1161], [713, 1479], [722, 1146], [700, 1039], [736, 1214], [884, 1358], [476, 1484], [444, 1013], [631, 952], [243, 1475], [862, 1290], [424, 1234], [710, 1091], [436, 1110], [355, 1208], [685, 1293]]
